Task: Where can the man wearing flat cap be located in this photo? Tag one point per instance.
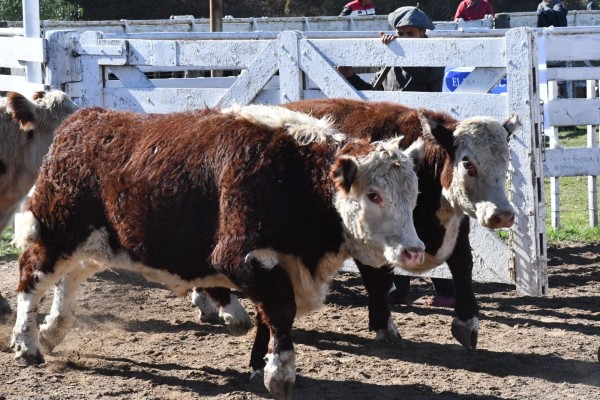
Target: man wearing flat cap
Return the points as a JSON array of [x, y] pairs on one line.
[[409, 23]]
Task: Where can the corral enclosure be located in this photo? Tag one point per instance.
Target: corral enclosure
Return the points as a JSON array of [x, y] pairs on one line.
[[123, 71], [531, 348]]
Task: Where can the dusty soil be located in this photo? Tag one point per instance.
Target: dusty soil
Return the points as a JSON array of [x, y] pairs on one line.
[[135, 340]]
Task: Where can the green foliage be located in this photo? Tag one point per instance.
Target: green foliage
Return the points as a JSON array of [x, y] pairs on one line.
[[573, 199], [6, 248], [62, 10]]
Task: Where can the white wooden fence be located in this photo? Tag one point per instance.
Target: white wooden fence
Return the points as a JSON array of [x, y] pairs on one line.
[[570, 45], [99, 69]]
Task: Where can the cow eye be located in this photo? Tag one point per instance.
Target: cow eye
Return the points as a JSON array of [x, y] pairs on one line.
[[469, 167], [374, 197]]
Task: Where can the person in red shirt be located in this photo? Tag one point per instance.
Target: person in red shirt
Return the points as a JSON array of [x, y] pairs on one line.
[[358, 7], [473, 9]]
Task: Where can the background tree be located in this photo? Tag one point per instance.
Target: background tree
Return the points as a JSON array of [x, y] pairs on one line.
[[438, 10], [62, 10]]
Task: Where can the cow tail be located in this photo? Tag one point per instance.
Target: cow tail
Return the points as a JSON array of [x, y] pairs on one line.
[[27, 229]]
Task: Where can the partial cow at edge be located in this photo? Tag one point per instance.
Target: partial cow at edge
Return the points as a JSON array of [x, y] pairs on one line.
[[26, 132], [463, 175], [260, 199]]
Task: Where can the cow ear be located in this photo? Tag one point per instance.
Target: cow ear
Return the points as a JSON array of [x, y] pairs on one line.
[[433, 131], [416, 152], [21, 109], [511, 125], [343, 173]]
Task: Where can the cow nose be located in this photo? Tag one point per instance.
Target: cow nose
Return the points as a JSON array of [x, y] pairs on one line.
[[412, 257], [502, 220]]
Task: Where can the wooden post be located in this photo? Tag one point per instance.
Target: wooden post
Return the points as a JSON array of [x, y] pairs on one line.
[[216, 25], [528, 256], [592, 141], [31, 27]]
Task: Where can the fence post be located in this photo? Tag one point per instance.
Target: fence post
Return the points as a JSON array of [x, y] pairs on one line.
[[290, 74], [527, 257], [592, 142], [31, 27]]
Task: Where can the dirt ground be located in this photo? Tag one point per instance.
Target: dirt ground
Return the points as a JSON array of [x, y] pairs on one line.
[[136, 340]]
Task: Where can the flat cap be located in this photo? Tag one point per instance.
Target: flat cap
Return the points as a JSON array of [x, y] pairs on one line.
[[410, 16]]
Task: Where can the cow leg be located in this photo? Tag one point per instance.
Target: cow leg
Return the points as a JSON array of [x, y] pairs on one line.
[[272, 290], [260, 346], [207, 310], [32, 287], [231, 311], [465, 325], [62, 313], [378, 282], [220, 304]]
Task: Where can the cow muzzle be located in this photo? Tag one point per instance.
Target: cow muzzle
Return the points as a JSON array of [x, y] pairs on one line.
[[406, 257], [494, 217], [503, 219]]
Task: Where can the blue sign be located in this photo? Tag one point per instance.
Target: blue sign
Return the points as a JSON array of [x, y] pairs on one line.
[[454, 77]]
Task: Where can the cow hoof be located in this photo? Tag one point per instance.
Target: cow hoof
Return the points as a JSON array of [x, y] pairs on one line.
[[28, 359], [212, 318], [466, 332], [257, 375], [235, 317], [390, 334], [280, 374]]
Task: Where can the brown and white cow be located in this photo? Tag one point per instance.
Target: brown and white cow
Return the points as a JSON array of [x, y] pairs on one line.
[[463, 175], [262, 199], [26, 132]]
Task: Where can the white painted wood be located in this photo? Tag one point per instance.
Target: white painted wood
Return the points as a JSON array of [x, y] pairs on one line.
[[247, 86], [61, 66], [468, 52], [19, 84], [552, 133], [592, 141], [572, 47], [290, 74], [579, 161], [210, 54], [571, 112], [481, 80], [131, 76], [459, 105], [31, 28], [527, 258], [573, 73], [18, 50], [324, 74]]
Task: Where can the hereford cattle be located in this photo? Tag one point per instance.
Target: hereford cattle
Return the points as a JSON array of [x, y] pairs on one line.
[[463, 175], [261, 199], [26, 131]]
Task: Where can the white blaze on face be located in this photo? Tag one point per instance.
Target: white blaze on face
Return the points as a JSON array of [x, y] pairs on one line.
[[479, 173], [377, 210]]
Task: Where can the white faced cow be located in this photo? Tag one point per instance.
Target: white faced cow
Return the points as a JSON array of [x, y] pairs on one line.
[[261, 199], [463, 175], [26, 132]]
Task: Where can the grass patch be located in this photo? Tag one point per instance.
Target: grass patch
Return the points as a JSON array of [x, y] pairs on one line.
[[574, 219], [6, 248]]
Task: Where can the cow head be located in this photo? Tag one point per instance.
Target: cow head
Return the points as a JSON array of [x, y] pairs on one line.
[[376, 192], [474, 174], [41, 115]]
